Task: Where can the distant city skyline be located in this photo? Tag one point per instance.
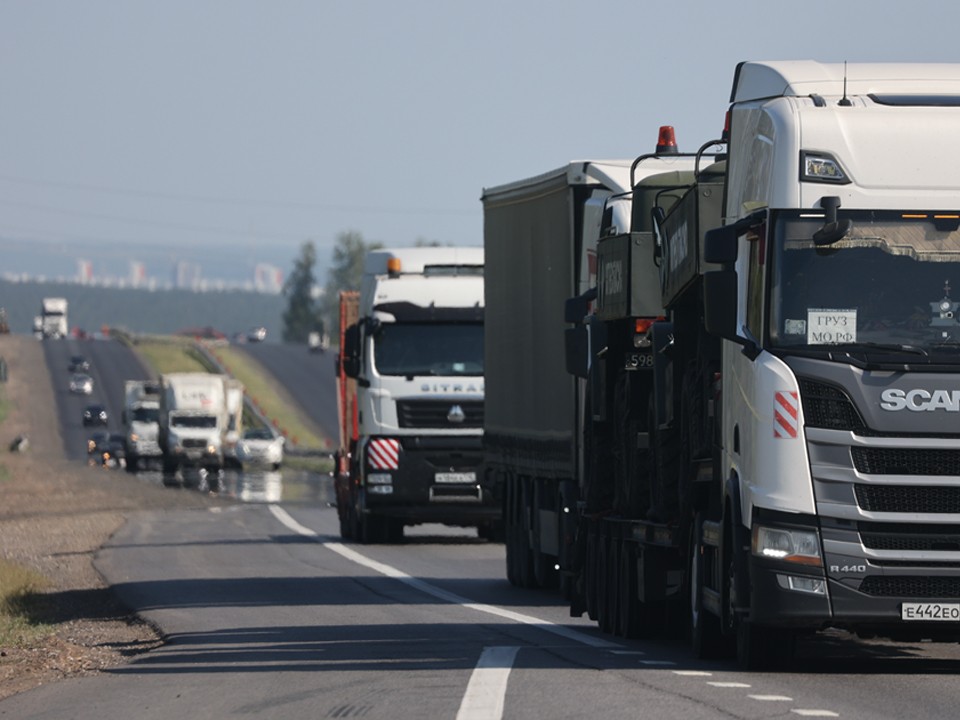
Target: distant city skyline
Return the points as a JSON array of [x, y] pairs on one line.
[[145, 266]]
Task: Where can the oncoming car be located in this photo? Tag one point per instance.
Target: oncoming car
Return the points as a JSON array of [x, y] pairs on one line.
[[107, 450], [94, 415], [260, 447], [79, 364], [81, 384]]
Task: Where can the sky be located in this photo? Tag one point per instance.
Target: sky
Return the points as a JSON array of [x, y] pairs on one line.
[[230, 132]]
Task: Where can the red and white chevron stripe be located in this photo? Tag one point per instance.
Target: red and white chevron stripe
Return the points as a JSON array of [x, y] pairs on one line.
[[786, 415], [383, 454]]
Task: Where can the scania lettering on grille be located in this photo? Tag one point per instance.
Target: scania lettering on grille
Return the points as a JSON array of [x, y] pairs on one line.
[[383, 454], [920, 400]]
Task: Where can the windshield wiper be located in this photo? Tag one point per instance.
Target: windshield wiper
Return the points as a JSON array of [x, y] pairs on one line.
[[886, 347]]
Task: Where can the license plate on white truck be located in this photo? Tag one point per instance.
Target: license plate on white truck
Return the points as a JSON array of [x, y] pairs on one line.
[[931, 612], [455, 477]]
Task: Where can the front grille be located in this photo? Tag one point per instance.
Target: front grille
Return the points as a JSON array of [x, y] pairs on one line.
[[916, 538], [826, 406], [911, 587], [437, 413], [906, 461], [194, 443], [908, 499]]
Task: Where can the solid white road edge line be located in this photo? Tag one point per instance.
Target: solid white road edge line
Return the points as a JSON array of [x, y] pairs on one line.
[[284, 517], [487, 688]]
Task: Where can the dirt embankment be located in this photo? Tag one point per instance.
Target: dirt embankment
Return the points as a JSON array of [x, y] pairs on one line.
[[54, 515]]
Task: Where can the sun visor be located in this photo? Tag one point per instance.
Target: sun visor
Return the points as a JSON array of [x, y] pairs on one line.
[[409, 312]]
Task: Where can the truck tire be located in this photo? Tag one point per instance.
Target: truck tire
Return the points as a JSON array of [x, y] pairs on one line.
[[664, 460], [394, 531], [764, 648], [610, 615], [544, 567], [590, 574], [377, 530], [633, 620], [631, 469], [519, 556], [758, 647], [346, 521], [491, 531], [706, 634]]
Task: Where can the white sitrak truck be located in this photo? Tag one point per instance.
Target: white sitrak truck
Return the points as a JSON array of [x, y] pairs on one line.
[[411, 395]]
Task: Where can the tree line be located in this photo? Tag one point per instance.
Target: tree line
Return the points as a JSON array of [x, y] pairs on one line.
[[309, 311]]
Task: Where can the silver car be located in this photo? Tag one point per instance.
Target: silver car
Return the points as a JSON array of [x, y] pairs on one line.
[[260, 447], [81, 384]]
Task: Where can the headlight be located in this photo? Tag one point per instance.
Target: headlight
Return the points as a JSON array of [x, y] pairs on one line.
[[790, 545]]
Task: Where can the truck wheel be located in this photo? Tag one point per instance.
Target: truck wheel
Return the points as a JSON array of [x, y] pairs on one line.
[[510, 546], [375, 530], [544, 566], [590, 574], [346, 522], [491, 531], [706, 636], [611, 617], [633, 619], [519, 557], [604, 619], [764, 648], [663, 460], [394, 531], [758, 647]]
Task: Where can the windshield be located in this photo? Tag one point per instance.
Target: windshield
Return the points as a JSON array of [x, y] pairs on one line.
[[890, 282], [434, 348], [146, 415], [199, 422]]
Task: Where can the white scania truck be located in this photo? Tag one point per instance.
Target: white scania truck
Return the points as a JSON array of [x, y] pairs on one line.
[[835, 470], [771, 447], [411, 395]]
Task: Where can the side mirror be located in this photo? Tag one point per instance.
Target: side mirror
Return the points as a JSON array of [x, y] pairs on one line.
[[720, 303], [576, 343], [372, 326], [833, 230], [350, 352], [720, 245], [575, 309], [720, 310], [657, 216]]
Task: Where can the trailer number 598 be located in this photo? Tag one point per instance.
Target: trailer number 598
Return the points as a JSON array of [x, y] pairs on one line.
[[639, 361]]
